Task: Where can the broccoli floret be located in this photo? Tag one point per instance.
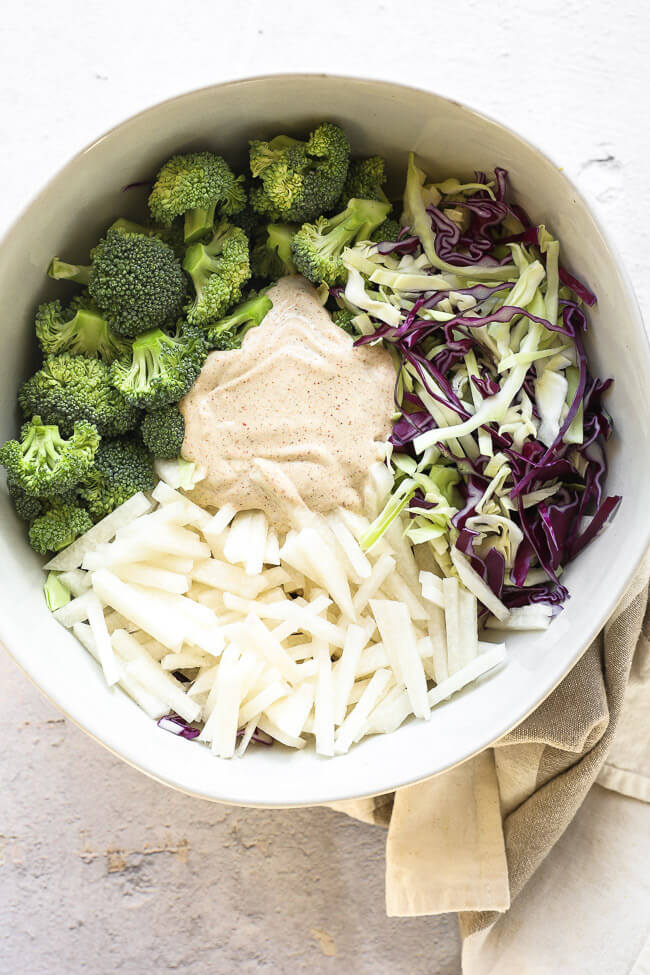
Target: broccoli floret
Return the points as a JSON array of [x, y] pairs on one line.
[[122, 468], [218, 271], [298, 181], [317, 247], [389, 230], [365, 180], [162, 367], [163, 431], [58, 528], [135, 280], [229, 332], [271, 257], [42, 463], [172, 235], [72, 387], [27, 506], [79, 329], [195, 185], [343, 318]]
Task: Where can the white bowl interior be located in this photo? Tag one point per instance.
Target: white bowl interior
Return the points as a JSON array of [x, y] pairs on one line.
[[68, 216]]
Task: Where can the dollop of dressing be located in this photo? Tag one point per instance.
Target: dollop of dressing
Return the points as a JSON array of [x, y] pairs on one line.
[[294, 418]]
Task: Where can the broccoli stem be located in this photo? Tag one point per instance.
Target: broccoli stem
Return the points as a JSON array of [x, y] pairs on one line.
[[62, 271], [198, 223]]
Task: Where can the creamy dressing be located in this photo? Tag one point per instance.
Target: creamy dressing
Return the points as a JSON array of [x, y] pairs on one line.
[[294, 418]]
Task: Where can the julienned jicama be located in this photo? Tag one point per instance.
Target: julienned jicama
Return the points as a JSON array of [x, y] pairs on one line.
[[301, 450]]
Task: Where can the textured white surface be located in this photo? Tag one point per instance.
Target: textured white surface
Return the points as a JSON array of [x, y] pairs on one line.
[[101, 869]]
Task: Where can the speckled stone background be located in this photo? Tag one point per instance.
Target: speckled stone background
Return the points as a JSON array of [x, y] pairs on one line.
[[101, 870]]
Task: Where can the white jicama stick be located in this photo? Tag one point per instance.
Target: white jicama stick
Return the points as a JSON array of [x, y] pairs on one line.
[[472, 580], [397, 633], [326, 569], [324, 701], [220, 521], [425, 649], [120, 552], [346, 669], [228, 578], [165, 627], [224, 718], [165, 495], [257, 543], [349, 546], [102, 640], [245, 739], [237, 544], [467, 625], [535, 617], [395, 587], [450, 589], [381, 570], [149, 672], [173, 540], [436, 628], [290, 713], [479, 665], [265, 724], [274, 577], [76, 580], [204, 682], [149, 703], [355, 721], [172, 563], [389, 713], [76, 611], [372, 658], [432, 588], [272, 548], [261, 701], [300, 618], [154, 578], [72, 556], [266, 643], [170, 514]]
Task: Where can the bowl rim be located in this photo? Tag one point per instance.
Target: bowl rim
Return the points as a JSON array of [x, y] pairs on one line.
[[641, 540]]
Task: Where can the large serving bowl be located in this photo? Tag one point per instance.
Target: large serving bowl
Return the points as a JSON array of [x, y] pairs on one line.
[[67, 218]]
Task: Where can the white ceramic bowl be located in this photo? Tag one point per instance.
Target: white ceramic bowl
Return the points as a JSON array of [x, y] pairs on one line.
[[69, 215]]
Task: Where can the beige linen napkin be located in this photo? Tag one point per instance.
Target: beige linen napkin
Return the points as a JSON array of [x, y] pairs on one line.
[[470, 839]]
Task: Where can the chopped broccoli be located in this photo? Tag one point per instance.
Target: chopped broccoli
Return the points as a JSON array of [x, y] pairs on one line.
[[162, 367], [58, 528], [163, 431], [135, 280], [79, 329], [298, 181], [317, 247], [122, 468], [271, 257], [229, 332], [27, 506], [72, 387], [343, 318], [390, 230], [170, 235], [42, 463], [218, 271], [365, 180], [195, 185]]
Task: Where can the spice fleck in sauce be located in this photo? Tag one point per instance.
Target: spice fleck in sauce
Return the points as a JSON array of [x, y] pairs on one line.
[[295, 417]]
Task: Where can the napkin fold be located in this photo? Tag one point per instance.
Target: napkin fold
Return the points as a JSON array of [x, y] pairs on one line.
[[470, 839]]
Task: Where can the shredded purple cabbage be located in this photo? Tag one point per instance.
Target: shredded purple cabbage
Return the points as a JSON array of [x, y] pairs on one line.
[[177, 726]]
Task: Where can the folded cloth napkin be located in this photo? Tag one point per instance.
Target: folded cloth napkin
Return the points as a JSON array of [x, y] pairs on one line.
[[471, 839]]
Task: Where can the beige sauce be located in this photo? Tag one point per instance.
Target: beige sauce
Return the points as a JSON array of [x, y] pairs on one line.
[[296, 416]]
